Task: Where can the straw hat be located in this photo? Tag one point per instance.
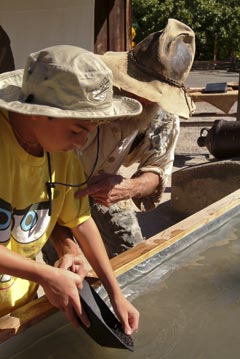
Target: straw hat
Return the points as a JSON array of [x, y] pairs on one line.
[[64, 82], [157, 67]]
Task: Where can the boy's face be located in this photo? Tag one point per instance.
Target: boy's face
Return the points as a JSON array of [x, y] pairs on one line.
[[63, 134]]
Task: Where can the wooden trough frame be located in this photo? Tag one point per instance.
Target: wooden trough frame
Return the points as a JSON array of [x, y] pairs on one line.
[[207, 219]]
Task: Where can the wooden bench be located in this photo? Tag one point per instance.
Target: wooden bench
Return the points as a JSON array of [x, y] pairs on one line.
[[223, 101]]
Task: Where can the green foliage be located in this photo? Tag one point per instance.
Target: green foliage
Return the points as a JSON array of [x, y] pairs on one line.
[[215, 22]]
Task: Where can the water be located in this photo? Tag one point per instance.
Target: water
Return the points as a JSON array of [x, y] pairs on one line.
[[190, 309]]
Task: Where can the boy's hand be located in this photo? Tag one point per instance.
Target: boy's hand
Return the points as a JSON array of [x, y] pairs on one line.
[[61, 288], [90, 241], [127, 314], [75, 263]]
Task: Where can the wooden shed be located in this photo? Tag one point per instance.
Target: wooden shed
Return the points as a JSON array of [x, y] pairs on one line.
[[96, 25], [113, 23]]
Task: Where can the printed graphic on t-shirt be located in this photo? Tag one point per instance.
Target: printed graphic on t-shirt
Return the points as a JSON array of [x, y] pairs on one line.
[[21, 230], [24, 225]]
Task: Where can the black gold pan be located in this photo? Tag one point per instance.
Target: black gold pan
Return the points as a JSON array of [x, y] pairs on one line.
[[105, 328]]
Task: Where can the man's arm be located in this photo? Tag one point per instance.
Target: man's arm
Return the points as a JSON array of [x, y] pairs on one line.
[[107, 189], [154, 155]]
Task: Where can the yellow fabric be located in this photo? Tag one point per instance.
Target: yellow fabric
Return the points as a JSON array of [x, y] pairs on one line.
[[25, 224]]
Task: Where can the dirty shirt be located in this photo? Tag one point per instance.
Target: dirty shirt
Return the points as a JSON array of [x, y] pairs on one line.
[[149, 142]]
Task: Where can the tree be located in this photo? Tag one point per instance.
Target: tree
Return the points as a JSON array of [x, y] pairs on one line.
[[215, 23]]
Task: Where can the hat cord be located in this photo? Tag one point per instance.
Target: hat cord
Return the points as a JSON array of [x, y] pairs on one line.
[[158, 76], [161, 78], [50, 184], [187, 99]]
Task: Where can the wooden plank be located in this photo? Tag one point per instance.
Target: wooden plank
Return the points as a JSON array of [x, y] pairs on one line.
[[213, 114], [203, 123], [113, 21], [223, 101], [171, 235], [25, 317], [238, 105], [116, 30], [128, 25], [102, 8]]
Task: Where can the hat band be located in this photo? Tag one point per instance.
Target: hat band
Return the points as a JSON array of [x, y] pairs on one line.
[[155, 75]]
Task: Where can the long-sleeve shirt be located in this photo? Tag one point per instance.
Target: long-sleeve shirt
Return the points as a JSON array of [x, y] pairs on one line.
[[148, 140]]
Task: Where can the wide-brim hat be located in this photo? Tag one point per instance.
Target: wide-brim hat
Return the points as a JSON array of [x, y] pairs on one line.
[[156, 68], [65, 82]]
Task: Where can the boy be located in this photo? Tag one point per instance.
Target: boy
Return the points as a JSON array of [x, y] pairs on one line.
[[45, 113]]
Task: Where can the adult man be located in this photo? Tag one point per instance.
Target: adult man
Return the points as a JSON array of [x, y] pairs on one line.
[[153, 72], [45, 113]]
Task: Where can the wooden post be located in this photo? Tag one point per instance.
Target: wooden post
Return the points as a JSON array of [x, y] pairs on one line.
[[128, 25], [215, 50], [113, 24], [238, 106]]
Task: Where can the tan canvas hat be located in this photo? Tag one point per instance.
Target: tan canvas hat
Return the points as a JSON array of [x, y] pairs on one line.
[[65, 82], [157, 67]]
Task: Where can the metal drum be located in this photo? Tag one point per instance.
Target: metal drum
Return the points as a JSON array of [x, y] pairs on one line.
[[222, 139]]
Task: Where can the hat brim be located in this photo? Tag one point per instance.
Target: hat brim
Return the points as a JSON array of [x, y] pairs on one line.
[[129, 77], [11, 99]]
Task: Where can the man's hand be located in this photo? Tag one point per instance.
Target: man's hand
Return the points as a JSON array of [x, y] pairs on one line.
[[107, 189]]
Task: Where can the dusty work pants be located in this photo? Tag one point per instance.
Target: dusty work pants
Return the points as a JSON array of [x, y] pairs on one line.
[[118, 226]]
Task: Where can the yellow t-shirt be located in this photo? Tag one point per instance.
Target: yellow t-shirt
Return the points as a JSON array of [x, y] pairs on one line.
[[25, 220]]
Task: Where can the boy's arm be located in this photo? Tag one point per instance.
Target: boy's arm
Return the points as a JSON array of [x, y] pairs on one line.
[[69, 252], [92, 245], [60, 285]]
